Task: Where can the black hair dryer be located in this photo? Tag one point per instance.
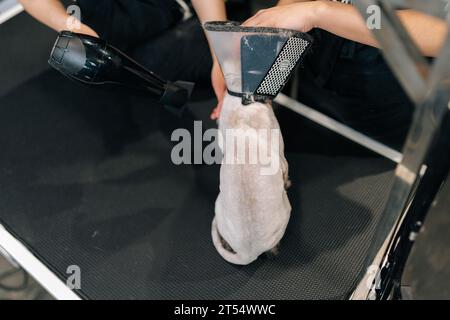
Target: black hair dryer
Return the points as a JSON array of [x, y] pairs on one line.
[[92, 61]]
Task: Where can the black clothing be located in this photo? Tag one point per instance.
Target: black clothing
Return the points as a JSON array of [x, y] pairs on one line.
[[126, 23], [352, 83], [153, 33], [346, 80]]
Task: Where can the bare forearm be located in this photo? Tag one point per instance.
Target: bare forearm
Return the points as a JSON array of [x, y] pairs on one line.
[[50, 12], [428, 33], [210, 10], [286, 2], [345, 21], [53, 14]]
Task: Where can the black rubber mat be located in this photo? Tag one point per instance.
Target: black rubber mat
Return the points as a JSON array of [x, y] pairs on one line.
[[24, 43], [87, 180]]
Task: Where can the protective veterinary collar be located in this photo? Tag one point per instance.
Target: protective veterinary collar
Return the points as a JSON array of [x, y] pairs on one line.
[[256, 61]]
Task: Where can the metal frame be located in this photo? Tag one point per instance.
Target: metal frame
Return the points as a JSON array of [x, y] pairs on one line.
[[339, 128], [435, 8], [13, 249], [12, 8], [429, 88], [427, 193]]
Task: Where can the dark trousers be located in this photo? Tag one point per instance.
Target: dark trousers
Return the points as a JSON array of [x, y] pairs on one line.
[[181, 53], [352, 83], [151, 32]]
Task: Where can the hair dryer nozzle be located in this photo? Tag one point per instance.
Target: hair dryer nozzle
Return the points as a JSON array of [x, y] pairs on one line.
[[176, 95]]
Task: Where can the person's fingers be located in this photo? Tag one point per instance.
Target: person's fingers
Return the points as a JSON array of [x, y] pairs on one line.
[[258, 23], [85, 29], [216, 112], [260, 17], [213, 114], [251, 22], [217, 109], [262, 20], [219, 86]]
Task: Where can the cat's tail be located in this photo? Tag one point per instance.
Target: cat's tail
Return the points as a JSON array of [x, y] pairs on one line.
[[229, 256]]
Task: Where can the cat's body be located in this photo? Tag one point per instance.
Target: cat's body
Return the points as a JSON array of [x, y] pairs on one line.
[[252, 209]]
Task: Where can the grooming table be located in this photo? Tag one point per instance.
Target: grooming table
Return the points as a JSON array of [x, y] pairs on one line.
[[86, 179]]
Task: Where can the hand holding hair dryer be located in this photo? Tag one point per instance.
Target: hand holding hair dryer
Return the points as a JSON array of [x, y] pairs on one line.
[[92, 61]]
